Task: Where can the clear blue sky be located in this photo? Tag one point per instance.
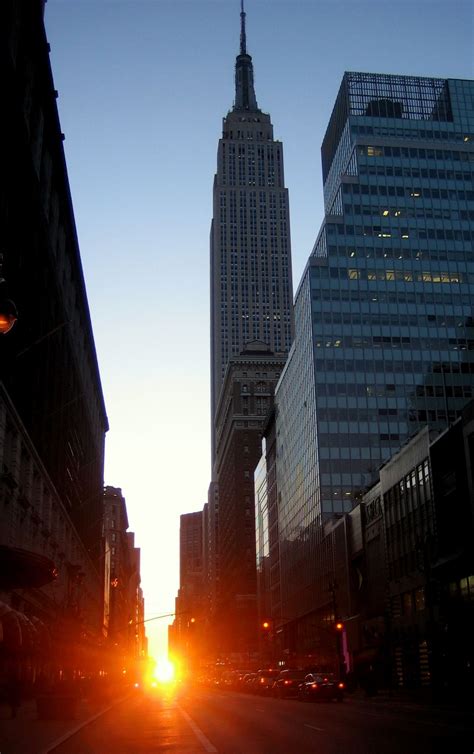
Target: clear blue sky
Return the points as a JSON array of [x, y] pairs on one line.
[[143, 86]]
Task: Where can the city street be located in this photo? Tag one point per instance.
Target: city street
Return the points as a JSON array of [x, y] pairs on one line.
[[213, 721]]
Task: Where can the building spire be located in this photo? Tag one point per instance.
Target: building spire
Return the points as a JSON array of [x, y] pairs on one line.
[[243, 40], [244, 89]]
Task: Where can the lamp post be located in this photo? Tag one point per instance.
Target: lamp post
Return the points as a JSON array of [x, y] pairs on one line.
[[338, 630]]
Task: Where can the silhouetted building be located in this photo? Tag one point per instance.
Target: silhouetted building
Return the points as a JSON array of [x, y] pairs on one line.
[[452, 562], [211, 547], [123, 598], [138, 643], [54, 416], [191, 621], [50, 589], [49, 364], [423, 507], [246, 400]]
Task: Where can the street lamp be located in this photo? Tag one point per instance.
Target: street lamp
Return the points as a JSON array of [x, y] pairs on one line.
[[8, 311]]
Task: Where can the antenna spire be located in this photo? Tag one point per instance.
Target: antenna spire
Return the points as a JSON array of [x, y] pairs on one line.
[[244, 89], [243, 40]]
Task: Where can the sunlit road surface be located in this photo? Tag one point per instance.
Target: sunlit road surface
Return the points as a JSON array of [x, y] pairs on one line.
[[205, 721]]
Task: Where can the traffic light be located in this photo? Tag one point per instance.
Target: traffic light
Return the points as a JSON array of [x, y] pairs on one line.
[[266, 625], [339, 627]]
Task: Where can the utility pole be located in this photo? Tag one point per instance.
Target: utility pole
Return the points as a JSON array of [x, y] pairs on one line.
[[338, 630]]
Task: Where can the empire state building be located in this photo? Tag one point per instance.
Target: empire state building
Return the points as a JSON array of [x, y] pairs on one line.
[[250, 253]]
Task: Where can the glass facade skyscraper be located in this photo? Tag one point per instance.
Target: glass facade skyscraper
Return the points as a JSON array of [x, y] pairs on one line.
[[384, 337]]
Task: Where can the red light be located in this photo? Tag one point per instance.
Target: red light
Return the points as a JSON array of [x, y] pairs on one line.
[[286, 683], [325, 680], [339, 626], [341, 685], [314, 685], [6, 323]]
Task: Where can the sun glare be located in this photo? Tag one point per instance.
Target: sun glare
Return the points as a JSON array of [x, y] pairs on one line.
[[164, 671]]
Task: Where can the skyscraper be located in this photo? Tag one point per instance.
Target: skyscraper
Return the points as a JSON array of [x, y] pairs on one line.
[[384, 338], [251, 333], [251, 281]]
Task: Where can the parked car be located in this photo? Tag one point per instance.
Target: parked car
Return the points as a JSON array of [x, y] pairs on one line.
[[287, 683], [248, 682], [230, 679], [265, 680], [317, 687]]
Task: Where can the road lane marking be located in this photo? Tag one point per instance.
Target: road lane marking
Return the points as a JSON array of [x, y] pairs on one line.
[[52, 745], [198, 733], [306, 725]]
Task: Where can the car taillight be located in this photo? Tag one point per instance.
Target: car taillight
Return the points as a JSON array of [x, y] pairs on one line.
[[287, 683], [341, 685], [262, 680], [314, 685], [325, 680]]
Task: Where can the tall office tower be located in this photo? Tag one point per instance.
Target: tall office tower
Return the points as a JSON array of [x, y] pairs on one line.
[[191, 562], [211, 545], [384, 338], [188, 638], [246, 400], [251, 282]]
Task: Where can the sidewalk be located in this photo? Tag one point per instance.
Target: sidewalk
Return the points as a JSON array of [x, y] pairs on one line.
[[26, 734], [420, 701]]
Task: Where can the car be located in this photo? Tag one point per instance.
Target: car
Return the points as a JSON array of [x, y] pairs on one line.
[[248, 681], [287, 683], [265, 680], [320, 686]]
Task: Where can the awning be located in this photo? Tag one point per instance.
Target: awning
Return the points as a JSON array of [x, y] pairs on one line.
[[10, 628], [24, 568], [43, 633], [18, 632], [29, 634]]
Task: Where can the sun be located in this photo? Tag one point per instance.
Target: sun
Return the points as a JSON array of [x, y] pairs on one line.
[[164, 671]]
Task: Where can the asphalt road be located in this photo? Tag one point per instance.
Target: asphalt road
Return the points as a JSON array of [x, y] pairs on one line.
[[205, 721]]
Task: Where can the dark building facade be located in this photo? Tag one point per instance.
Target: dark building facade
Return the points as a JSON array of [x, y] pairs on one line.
[[246, 400], [48, 361], [54, 419], [123, 598], [452, 561], [189, 634], [420, 577]]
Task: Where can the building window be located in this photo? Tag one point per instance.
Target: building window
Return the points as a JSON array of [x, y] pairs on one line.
[[419, 599], [407, 603]]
